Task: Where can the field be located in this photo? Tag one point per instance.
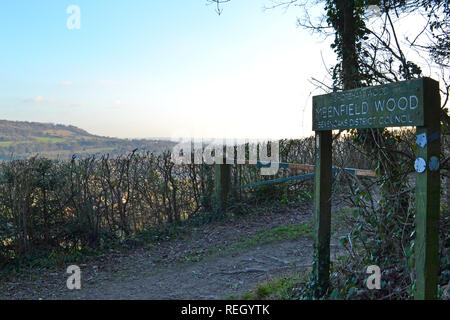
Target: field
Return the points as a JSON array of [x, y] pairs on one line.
[[21, 140]]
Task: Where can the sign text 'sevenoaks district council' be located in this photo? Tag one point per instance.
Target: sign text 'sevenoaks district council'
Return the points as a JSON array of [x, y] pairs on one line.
[[392, 105]]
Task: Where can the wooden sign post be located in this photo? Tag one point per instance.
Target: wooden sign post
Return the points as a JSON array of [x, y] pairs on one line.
[[407, 103]]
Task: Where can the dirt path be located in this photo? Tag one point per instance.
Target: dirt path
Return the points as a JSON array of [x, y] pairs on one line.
[[213, 278], [198, 265]]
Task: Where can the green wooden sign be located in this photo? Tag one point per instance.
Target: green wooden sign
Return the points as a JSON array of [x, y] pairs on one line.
[[393, 105], [408, 103]]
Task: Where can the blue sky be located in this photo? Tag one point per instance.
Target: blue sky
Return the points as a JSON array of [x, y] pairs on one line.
[[159, 68]]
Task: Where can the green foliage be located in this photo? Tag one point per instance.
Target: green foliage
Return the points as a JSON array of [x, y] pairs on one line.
[[347, 45], [279, 288], [309, 288], [290, 232]]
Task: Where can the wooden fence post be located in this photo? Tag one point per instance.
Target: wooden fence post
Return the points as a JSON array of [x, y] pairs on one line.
[[322, 210], [222, 184], [428, 198]]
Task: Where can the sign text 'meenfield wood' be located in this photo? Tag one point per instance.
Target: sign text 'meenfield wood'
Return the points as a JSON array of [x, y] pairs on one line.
[[392, 105]]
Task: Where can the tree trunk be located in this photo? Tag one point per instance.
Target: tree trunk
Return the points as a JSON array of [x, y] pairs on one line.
[[347, 32]]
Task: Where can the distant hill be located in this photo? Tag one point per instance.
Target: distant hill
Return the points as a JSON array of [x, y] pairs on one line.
[[16, 130], [22, 139]]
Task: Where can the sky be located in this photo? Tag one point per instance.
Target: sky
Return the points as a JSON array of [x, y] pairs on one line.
[[154, 68]]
